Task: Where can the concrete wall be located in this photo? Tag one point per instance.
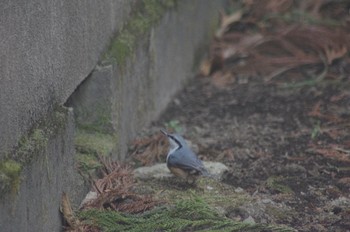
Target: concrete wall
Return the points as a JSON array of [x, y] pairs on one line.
[[121, 100], [35, 207], [46, 49], [51, 51]]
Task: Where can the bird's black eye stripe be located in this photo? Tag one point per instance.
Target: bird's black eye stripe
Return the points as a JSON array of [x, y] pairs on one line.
[[176, 141]]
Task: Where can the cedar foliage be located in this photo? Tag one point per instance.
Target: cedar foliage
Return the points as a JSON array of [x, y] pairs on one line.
[[187, 215]]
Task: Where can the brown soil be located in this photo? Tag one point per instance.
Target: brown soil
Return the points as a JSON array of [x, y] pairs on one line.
[[286, 143]]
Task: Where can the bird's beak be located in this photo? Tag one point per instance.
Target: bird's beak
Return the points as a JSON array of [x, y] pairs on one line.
[[164, 132]]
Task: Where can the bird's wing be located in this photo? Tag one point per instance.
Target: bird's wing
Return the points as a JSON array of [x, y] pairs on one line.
[[188, 161]]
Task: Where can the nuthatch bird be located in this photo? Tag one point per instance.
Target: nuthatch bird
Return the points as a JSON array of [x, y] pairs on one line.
[[182, 161]]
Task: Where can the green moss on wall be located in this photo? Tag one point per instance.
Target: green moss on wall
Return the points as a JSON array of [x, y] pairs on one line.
[[87, 163], [145, 15], [90, 147], [122, 47], [94, 143], [100, 122], [10, 177], [30, 146]]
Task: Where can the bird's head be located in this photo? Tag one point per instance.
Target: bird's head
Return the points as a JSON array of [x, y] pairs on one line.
[[176, 141]]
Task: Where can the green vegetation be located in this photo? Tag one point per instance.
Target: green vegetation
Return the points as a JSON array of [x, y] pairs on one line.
[[174, 125], [148, 12], [10, 178], [94, 143], [192, 214], [91, 146], [316, 130], [218, 194], [29, 147], [274, 183], [101, 123]]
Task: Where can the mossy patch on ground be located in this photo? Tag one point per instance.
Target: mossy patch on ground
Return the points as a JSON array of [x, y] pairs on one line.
[[211, 190], [276, 184]]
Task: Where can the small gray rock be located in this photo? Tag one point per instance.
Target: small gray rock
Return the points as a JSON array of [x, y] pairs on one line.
[[161, 171]]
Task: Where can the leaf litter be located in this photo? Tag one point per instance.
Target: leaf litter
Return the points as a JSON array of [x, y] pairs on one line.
[[263, 42], [113, 192]]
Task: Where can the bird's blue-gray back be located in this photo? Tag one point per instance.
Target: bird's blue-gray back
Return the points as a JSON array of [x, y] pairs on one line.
[[188, 160]]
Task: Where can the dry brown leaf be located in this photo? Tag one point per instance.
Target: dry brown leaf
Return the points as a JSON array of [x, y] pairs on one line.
[[67, 212], [222, 80], [242, 47], [260, 8], [316, 110], [227, 154], [330, 117], [226, 21], [136, 204], [344, 181], [277, 6], [150, 150], [313, 7], [321, 40], [332, 153], [333, 53], [279, 48], [205, 68], [114, 190], [340, 96], [334, 132]]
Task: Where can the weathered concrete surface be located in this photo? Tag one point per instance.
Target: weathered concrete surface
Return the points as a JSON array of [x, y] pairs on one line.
[[121, 100], [46, 49], [36, 205], [94, 104]]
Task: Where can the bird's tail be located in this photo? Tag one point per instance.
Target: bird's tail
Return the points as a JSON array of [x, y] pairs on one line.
[[206, 173]]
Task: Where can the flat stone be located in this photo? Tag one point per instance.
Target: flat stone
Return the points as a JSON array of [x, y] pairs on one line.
[[88, 198], [249, 220], [161, 171]]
